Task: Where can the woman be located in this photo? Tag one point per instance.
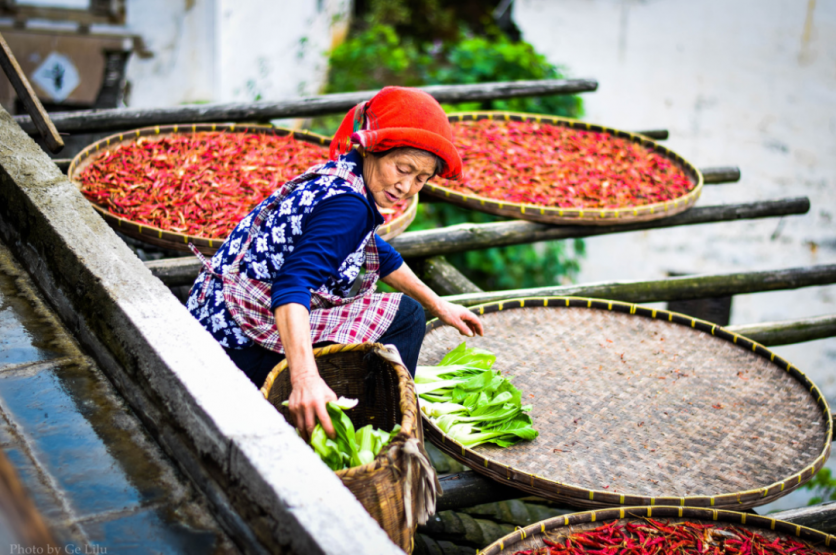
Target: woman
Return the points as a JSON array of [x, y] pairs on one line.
[[289, 276]]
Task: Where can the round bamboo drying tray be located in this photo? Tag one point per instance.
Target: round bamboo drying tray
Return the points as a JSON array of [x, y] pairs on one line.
[[207, 245], [532, 536], [638, 406], [578, 216]]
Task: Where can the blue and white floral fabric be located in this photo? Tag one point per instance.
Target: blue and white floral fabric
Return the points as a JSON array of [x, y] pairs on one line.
[[273, 243]]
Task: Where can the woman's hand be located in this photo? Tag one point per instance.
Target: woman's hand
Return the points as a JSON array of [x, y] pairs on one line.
[[308, 397], [459, 317], [309, 393], [404, 279]]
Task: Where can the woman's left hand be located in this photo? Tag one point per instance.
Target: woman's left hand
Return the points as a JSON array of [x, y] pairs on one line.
[[459, 317]]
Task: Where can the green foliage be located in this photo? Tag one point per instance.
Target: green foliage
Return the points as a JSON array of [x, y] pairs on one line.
[[375, 58], [496, 269], [378, 57], [425, 42], [483, 60], [823, 486]]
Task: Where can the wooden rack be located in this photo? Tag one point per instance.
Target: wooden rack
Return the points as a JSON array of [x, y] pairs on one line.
[[426, 249]]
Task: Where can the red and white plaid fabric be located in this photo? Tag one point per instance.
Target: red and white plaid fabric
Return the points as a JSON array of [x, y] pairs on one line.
[[362, 318]]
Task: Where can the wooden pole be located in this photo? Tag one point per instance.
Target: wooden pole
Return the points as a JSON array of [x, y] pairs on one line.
[[714, 176], [37, 115], [443, 277], [655, 134], [88, 121], [464, 237], [818, 517], [466, 489], [787, 332], [671, 289], [467, 237]]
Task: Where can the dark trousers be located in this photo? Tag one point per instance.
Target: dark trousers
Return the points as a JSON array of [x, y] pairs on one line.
[[406, 333]]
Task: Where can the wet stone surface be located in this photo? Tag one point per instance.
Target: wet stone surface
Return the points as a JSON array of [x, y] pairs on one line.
[[92, 470]]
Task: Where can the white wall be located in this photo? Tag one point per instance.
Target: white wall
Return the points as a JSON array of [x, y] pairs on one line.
[[181, 36], [748, 83], [231, 50], [274, 50]]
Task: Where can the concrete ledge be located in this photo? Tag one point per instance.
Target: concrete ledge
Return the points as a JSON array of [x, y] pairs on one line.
[[268, 489]]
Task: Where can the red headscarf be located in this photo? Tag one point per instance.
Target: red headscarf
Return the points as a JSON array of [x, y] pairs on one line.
[[398, 117]]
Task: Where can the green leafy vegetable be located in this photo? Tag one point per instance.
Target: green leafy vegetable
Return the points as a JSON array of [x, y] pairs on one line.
[[471, 402], [349, 448]]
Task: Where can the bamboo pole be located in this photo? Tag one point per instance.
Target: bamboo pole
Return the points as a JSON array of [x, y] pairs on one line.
[[464, 237], [466, 489], [443, 277], [467, 237], [655, 134], [818, 517], [725, 174], [787, 332], [38, 117], [88, 121], [671, 289]]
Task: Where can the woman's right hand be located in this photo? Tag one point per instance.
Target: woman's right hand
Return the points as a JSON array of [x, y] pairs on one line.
[[308, 397]]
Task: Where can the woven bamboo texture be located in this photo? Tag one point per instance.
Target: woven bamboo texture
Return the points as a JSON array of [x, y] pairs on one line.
[[532, 536], [577, 216], [207, 245], [387, 397], [637, 406]]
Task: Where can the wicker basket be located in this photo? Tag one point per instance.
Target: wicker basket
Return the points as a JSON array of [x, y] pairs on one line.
[[639, 406], [207, 245], [580, 216], [398, 488], [532, 536]]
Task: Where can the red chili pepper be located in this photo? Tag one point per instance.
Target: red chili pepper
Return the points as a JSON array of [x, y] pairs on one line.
[[662, 538], [553, 165], [201, 183]]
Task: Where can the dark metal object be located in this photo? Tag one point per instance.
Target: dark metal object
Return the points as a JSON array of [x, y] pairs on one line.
[[113, 83], [37, 115], [131, 118], [466, 237], [712, 309]]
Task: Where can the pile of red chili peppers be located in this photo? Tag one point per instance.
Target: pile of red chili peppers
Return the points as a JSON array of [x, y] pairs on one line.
[[552, 165], [199, 184], [651, 537]]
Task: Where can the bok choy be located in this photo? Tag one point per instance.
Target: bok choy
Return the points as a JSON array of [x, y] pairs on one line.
[[349, 447], [471, 402]]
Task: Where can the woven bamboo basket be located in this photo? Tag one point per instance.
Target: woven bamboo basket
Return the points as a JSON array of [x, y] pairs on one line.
[[532, 536], [207, 245], [398, 488], [638, 406], [578, 216]]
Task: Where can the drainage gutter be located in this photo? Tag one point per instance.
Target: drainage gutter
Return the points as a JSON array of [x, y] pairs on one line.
[[268, 489]]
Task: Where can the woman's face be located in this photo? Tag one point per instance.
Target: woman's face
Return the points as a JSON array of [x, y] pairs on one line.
[[396, 176]]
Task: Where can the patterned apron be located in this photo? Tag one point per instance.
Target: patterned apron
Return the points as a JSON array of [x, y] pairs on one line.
[[358, 319]]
